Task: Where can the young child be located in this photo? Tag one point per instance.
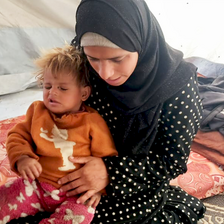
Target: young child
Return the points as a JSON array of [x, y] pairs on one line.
[[54, 129]]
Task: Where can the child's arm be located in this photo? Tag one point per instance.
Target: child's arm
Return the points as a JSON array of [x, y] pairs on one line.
[[28, 167], [102, 143], [19, 142]]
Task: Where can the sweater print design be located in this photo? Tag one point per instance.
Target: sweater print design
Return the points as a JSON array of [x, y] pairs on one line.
[[59, 138]]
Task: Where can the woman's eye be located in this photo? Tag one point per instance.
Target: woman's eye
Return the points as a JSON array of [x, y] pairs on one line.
[[117, 61], [92, 59]]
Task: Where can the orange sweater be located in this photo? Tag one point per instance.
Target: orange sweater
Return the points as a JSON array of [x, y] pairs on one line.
[[51, 140]]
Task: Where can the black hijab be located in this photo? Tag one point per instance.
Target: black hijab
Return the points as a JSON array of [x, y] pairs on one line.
[[160, 71]]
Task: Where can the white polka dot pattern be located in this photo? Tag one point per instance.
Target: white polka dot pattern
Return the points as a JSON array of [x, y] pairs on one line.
[[139, 177]]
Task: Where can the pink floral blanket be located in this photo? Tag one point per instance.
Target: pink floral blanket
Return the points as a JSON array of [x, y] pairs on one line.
[[5, 172]]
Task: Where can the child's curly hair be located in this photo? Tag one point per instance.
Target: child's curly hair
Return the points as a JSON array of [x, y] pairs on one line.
[[59, 60]]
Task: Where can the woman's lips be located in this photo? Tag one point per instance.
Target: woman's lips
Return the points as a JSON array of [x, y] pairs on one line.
[[113, 81]]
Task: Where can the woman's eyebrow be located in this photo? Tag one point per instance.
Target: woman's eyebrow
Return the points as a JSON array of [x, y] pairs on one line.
[[90, 56], [113, 58]]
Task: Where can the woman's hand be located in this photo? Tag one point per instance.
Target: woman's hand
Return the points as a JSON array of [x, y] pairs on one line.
[[88, 180], [28, 167]]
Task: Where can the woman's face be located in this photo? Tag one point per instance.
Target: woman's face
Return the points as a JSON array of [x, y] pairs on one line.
[[114, 65]]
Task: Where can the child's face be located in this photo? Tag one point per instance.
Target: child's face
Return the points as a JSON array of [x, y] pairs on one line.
[[62, 95]]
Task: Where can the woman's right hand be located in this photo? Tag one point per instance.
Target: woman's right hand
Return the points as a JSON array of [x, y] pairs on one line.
[[29, 167], [88, 180]]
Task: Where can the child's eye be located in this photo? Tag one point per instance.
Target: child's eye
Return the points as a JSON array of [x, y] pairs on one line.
[[47, 87], [63, 89]]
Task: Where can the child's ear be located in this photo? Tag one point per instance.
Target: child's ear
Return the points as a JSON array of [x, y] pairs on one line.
[[86, 92]]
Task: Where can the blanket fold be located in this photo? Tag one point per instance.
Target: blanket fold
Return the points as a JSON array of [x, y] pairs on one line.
[[210, 145]]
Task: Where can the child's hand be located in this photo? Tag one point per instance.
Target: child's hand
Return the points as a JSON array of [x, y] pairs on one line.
[[29, 167], [94, 200]]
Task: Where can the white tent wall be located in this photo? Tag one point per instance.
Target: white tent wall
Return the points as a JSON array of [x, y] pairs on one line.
[[25, 28], [192, 26]]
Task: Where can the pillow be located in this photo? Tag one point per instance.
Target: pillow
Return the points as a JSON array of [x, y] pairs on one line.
[[203, 178]]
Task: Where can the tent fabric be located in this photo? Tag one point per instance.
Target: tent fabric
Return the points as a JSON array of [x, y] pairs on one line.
[[26, 27], [44, 13]]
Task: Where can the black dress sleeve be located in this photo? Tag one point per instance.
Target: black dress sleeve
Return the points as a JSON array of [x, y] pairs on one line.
[[179, 123]]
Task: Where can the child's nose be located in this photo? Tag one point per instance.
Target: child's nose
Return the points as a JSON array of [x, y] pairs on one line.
[[53, 91]]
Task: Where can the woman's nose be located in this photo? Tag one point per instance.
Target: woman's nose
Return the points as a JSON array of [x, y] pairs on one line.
[[106, 70]]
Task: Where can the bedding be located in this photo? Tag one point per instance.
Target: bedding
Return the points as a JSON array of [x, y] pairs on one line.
[[211, 145], [203, 179], [6, 174]]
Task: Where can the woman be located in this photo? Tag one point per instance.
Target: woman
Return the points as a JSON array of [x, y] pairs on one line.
[[149, 98]]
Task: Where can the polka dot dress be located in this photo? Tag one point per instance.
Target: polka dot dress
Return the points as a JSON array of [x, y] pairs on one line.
[[139, 190]]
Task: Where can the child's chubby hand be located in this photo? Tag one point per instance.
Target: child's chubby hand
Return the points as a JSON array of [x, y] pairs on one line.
[[94, 200], [28, 167]]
